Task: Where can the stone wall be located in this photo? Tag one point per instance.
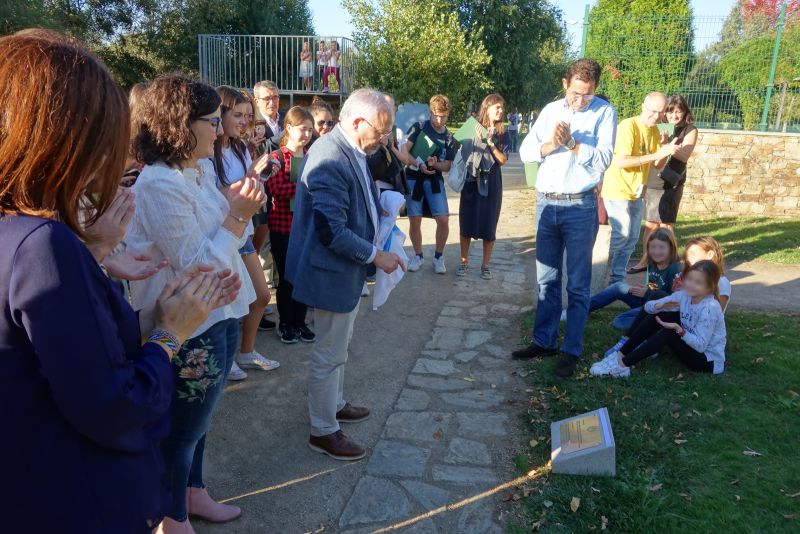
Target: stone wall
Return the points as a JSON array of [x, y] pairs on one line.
[[744, 173]]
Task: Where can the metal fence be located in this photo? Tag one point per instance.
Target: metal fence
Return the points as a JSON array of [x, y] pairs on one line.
[[243, 60], [731, 81]]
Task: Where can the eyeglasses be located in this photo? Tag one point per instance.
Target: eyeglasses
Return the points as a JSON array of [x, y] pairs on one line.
[[382, 134], [329, 124], [575, 96], [271, 97], [214, 121]]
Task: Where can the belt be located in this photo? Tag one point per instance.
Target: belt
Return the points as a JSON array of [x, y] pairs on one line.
[[570, 196]]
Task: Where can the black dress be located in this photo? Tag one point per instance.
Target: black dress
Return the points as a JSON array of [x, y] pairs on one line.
[[478, 215]]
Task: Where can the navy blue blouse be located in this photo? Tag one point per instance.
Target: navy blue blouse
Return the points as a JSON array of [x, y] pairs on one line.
[[83, 402]]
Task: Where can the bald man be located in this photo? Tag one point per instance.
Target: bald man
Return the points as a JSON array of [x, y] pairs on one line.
[[637, 147]]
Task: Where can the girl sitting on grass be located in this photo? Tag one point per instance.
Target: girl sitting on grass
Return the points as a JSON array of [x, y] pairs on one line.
[[690, 322], [662, 269], [697, 249]]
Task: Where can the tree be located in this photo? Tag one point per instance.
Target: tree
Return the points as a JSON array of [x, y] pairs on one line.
[[415, 49], [640, 51], [746, 70], [527, 43]]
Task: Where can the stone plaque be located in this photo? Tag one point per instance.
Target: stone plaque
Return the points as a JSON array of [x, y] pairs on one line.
[[584, 445]]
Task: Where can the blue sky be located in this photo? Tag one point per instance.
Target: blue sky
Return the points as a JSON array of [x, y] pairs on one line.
[[330, 18]]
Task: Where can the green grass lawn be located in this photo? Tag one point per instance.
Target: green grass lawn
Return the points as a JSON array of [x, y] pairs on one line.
[[744, 238], [680, 439]]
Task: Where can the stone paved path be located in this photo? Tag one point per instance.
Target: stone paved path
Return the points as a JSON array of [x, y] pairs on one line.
[[448, 437]]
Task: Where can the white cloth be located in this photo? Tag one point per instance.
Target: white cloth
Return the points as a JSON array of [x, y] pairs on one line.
[[274, 125], [334, 59], [179, 215], [235, 171], [390, 239]]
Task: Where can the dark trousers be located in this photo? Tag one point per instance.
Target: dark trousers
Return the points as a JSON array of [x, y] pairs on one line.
[[292, 313], [649, 337]]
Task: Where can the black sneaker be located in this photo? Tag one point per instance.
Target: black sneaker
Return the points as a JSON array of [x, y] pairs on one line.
[[532, 351], [566, 365], [306, 335], [266, 324], [289, 335]]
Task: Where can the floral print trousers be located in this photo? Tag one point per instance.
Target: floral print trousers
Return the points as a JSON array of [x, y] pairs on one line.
[[201, 370]]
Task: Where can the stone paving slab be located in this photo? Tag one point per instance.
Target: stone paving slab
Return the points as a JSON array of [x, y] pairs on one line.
[[417, 426], [390, 458]]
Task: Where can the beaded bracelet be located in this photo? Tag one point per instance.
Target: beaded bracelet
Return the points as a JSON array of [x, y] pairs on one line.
[[167, 338]]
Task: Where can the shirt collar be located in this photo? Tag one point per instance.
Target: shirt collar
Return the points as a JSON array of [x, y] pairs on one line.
[[352, 143]]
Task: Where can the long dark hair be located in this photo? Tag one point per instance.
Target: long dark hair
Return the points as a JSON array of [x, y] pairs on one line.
[[677, 101], [230, 99], [711, 272]]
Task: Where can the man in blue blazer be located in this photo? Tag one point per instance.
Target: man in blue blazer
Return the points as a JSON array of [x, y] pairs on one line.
[[336, 217]]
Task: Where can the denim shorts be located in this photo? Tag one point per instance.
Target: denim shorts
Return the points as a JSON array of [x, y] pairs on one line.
[[248, 248], [436, 201]]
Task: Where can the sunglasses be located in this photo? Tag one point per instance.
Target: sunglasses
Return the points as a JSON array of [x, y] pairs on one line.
[[213, 121], [329, 124]]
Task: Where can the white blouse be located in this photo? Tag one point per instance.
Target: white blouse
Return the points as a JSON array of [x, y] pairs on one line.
[[235, 171], [334, 59], [179, 215]]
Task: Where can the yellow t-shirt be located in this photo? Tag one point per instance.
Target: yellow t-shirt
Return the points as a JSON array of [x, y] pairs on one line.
[[633, 139]]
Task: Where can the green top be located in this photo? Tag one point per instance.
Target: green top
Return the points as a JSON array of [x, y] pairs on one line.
[[661, 279]]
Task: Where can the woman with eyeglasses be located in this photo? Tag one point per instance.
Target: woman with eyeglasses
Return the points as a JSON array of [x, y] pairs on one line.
[[322, 113], [182, 215], [87, 400]]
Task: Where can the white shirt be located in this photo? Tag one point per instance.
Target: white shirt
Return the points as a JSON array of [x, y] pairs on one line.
[[561, 171], [274, 125], [235, 172], [334, 60], [179, 215], [361, 157]]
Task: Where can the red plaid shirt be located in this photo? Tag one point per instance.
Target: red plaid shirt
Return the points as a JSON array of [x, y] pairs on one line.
[[282, 190]]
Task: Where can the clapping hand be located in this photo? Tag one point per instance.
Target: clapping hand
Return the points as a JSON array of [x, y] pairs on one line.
[[109, 229], [231, 283], [245, 197], [130, 266], [668, 326]]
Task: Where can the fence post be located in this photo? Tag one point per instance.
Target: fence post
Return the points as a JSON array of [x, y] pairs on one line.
[[771, 82], [585, 29]]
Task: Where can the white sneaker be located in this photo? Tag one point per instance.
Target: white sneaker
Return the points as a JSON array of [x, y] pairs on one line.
[[365, 290], [610, 367], [236, 373], [438, 265], [254, 360], [563, 316], [618, 345], [415, 264]]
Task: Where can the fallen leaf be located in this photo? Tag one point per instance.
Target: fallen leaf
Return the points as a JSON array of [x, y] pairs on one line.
[[438, 418], [680, 441], [734, 482], [603, 522], [695, 395], [675, 415], [656, 487], [624, 414], [437, 435], [595, 489], [679, 435], [751, 452], [507, 497], [469, 379], [516, 497], [793, 495], [547, 504], [767, 334], [790, 516], [494, 386], [737, 498], [686, 496], [758, 360], [698, 414], [526, 492], [793, 393], [574, 504], [537, 525], [533, 443]]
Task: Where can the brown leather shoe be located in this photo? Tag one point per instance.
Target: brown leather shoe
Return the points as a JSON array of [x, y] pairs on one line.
[[337, 446], [352, 414]]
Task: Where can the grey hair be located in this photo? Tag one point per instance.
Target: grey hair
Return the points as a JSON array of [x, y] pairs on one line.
[[366, 103], [266, 84]]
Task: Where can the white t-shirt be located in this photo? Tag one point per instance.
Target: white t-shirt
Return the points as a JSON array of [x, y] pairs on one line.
[[334, 60], [725, 290], [235, 171]]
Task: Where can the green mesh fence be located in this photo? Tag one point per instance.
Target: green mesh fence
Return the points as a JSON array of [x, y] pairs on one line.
[[725, 72]]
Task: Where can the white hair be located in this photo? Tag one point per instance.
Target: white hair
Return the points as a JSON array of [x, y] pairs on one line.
[[366, 103]]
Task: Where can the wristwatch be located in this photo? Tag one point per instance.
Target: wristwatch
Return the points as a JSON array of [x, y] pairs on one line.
[[571, 143]]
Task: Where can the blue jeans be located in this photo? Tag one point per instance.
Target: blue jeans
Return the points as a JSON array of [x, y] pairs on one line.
[[571, 226], [437, 202], [625, 320], [625, 218], [514, 134], [612, 293], [201, 370]]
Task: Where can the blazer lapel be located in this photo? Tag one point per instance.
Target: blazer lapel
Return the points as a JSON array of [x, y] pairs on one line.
[[362, 180]]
